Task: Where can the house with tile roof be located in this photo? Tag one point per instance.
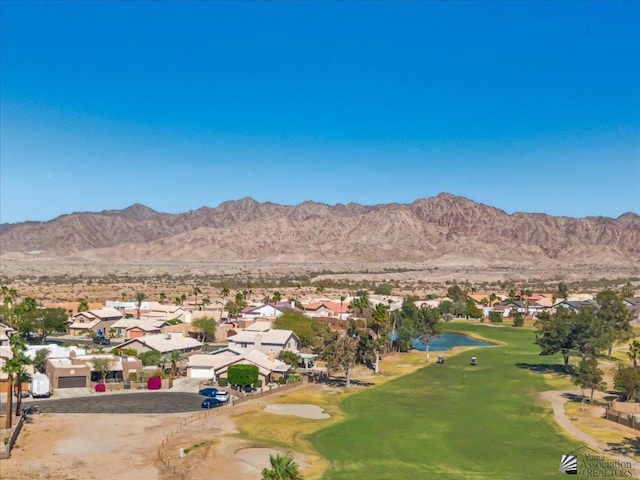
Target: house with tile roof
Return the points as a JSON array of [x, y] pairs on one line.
[[215, 365], [91, 321], [163, 343], [133, 327], [327, 308]]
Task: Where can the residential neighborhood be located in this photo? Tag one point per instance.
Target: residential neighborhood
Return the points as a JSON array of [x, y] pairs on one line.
[[248, 337], [197, 352]]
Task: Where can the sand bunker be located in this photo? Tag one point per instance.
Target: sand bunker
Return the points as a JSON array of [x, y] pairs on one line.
[[312, 412], [254, 459]]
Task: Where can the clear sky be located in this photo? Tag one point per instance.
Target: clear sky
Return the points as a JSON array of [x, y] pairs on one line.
[[525, 106]]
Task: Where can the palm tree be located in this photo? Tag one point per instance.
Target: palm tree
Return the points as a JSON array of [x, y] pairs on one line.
[[83, 306], [634, 352], [206, 301], [174, 358], [277, 296], [283, 467], [29, 304], [379, 324], [363, 301], [225, 293], [492, 298], [163, 297], [140, 296], [527, 294], [22, 376], [196, 292], [11, 368]]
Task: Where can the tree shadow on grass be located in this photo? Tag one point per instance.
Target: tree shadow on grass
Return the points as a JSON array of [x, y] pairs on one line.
[[629, 446], [545, 368], [341, 382], [574, 397]]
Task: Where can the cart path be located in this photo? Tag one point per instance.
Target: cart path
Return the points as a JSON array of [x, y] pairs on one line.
[[557, 399]]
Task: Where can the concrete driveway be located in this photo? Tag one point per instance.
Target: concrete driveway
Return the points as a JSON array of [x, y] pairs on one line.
[[139, 402]]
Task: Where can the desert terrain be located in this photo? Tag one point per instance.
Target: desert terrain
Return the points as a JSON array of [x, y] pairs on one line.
[[60, 282]]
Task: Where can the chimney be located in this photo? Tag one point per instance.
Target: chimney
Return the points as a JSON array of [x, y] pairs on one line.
[[272, 356], [257, 342]]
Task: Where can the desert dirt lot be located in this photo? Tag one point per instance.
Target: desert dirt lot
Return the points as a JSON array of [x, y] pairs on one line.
[[93, 447], [108, 446], [104, 447]]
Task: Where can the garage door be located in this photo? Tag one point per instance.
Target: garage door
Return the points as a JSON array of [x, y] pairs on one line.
[[207, 373], [72, 382]]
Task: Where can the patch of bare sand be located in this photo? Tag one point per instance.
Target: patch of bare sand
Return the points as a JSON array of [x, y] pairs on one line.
[[312, 412], [213, 449], [98, 447]]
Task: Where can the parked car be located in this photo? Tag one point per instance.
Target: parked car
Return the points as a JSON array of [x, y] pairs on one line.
[[23, 393], [244, 388], [209, 392], [101, 340], [215, 393], [211, 403], [223, 396], [40, 385]]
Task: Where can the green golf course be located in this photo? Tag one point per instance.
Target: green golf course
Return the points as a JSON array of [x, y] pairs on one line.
[[453, 421]]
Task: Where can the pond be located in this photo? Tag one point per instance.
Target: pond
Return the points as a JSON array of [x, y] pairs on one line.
[[447, 340]]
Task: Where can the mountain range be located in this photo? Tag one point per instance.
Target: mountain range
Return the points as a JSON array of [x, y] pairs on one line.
[[444, 229]]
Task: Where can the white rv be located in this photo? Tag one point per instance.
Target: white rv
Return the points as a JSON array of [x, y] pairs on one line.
[[40, 386]]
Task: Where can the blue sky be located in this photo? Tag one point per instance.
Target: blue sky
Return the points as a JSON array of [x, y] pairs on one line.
[[525, 106]]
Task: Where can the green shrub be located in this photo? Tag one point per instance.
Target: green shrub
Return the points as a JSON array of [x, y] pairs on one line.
[[518, 320], [495, 317], [258, 383], [383, 289], [223, 382], [242, 374], [151, 357], [133, 376]]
